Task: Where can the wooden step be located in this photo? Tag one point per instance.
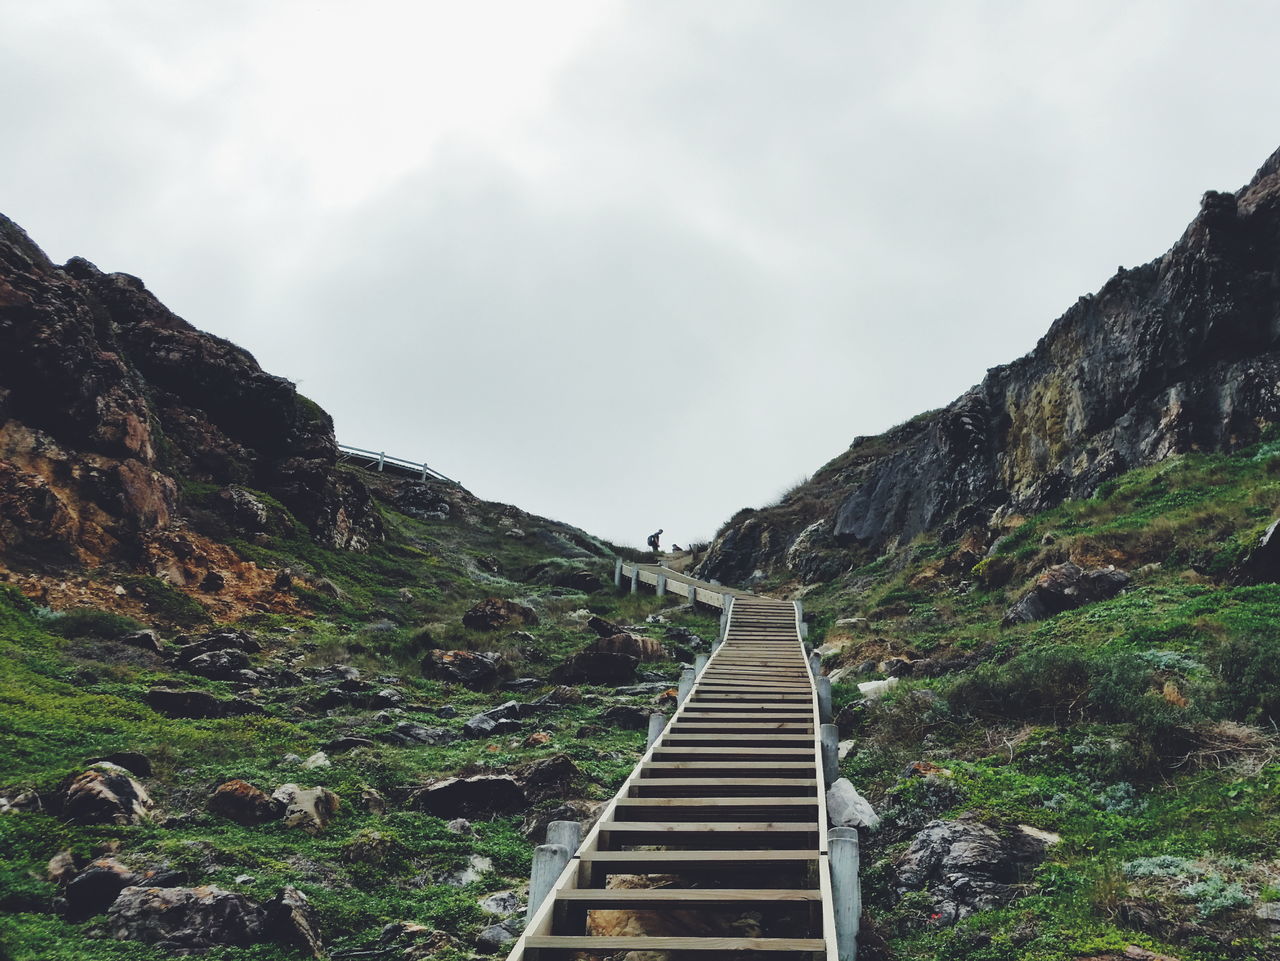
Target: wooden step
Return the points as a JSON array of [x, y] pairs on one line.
[[673, 897], [605, 946]]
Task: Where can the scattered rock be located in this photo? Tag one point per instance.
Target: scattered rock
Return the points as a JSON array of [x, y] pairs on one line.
[[105, 794], [925, 769], [146, 640], [62, 867], [502, 903], [185, 919], [596, 668], [245, 804], [967, 866], [290, 920], [408, 733], [536, 739], [628, 717], [372, 801], [585, 813], [94, 889], [847, 808], [876, 689], [494, 613], [139, 765], [548, 777], [1063, 587], [494, 937], [477, 865], [343, 744], [317, 760], [460, 826], [1263, 563], [387, 697], [633, 645], [197, 704], [480, 796], [469, 668], [308, 808]]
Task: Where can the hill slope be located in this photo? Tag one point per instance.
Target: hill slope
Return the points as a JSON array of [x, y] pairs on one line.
[[1181, 354]]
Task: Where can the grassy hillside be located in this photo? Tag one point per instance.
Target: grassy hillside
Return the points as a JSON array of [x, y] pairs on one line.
[[1141, 729], [71, 691]]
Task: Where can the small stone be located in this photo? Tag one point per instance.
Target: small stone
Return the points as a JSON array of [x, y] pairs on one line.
[[289, 760], [537, 739], [245, 879], [847, 808], [372, 801], [460, 826], [317, 760], [494, 937], [307, 808], [502, 903]]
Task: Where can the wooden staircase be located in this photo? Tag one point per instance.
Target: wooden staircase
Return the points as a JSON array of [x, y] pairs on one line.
[[716, 844]]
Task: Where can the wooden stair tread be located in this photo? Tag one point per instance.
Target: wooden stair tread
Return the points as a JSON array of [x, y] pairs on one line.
[[588, 943]]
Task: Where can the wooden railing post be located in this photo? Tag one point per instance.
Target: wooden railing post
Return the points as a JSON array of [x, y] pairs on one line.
[[661, 587], [565, 833], [635, 579], [846, 889], [617, 574], [657, 722], [830, 753], [823, 684], [686, 685], [549, 860], [699, 662], [382, 459]]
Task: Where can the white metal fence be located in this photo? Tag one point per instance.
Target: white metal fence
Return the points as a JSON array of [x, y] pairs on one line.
[[379, 460]]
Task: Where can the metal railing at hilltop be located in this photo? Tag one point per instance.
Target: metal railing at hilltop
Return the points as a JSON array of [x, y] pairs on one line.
[[379, 460]]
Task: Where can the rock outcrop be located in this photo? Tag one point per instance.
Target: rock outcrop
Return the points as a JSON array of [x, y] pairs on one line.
[[1181, 354], [108, 400]]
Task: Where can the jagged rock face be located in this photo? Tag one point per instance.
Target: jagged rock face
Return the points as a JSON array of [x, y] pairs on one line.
[[1182, 354], [107, 398]]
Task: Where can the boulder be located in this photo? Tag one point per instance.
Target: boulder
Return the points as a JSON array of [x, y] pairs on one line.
[[967, 865], [198, 704], [470, 668], [146, 640], [494, 937], [1262, 565], [628, 717], [229, 665], [94, 889], [846, 808], [105, 794], [633, 645], [184, 920], [502, 903], [139, 765], [1063, 587], [245, 804], [407, 733], [585, 813], [596, 668], [343, 744], [290, 920], [308, 808], [601, 627], [315, 761], [472, 797], [548, 777], [494, 613]]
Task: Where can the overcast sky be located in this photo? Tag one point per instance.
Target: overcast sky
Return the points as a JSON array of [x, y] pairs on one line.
[[627, 264]]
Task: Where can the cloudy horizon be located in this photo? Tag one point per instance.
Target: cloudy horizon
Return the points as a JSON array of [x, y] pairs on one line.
[[626, 265]]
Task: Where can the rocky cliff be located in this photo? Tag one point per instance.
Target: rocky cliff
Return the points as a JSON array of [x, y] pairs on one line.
[[111, 407], [1182, 354]]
